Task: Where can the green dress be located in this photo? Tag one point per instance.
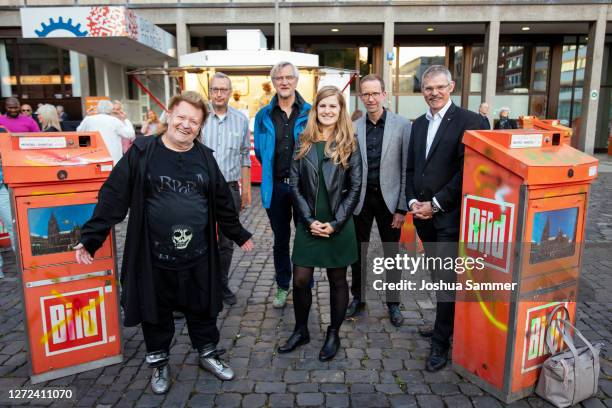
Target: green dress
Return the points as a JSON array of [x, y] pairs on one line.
[[337, 251]]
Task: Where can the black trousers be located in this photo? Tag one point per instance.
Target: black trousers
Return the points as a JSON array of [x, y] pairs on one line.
[[173, 294], [374, 208], [226, 245], [441, 243]]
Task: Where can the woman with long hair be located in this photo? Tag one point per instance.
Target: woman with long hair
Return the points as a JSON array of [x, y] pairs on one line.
[[325, 179], [48, 118], [151, 126]]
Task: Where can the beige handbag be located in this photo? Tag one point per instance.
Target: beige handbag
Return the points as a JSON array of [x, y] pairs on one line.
[[571, 376]]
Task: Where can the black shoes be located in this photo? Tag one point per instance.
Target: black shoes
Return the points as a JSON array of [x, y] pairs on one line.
[[395, 315], [229, 298], [298, 338], [355, 308], [330, 346], [426, 331], [438, 357]]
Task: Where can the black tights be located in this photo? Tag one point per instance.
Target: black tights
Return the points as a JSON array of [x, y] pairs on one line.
[[302, 296]]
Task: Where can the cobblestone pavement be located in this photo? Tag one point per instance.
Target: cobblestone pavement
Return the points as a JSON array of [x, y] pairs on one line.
[[377, 366]]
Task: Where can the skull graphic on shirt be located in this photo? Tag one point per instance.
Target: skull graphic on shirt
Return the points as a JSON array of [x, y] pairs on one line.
[[181, 236]]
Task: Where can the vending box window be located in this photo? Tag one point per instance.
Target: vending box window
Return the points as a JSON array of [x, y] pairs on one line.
[[525, 196], [70, 310]]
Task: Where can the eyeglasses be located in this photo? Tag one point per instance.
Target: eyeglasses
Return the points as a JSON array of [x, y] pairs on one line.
[[219, 90], [439, 88], [367, 96], [287, 78]]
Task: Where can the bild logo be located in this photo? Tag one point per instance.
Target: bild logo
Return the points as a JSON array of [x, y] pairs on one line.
[[487, 230], [73, 321], [535, 350]]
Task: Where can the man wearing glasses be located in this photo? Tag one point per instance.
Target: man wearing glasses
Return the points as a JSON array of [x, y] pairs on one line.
[[277, 127], [433, 192], [383, 139], [227, 133], [14, 121]]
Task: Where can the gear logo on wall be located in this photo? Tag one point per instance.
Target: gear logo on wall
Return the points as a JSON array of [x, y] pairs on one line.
[[60, 24]]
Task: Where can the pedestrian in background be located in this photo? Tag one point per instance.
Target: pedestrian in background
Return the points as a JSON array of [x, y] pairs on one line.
[[325, 181], [504, 121], [112, 129], [14, 121], [483, 115], [48, 119], [152, 125]]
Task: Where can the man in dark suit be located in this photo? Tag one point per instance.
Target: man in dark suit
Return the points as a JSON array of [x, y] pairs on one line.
[[483, 116], [433, 191]]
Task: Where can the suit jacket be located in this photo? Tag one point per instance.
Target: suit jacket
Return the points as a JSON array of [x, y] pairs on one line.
[[393, 161], [484, 122], [440, 174]]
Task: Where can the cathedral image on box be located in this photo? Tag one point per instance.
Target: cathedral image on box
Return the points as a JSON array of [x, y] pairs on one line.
[[553, 235], [57, 229]]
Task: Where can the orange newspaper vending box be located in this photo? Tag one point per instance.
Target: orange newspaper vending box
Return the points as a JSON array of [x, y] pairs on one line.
[[70, 310], [525, 196]]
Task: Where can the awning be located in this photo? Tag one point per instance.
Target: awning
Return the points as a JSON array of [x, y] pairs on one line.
[[113, 33]]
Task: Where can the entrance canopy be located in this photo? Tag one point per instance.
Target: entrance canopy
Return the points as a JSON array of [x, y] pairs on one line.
[[113, 33]]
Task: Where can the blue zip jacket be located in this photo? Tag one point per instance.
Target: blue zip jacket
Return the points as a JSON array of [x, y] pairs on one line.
[[265, 140]]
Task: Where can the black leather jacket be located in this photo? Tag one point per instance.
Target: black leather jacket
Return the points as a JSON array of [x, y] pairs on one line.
[[343, 185]]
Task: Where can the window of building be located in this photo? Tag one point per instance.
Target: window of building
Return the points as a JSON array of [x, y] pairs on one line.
[[522, 79], [572, 79], [34, 71], [411, 62]]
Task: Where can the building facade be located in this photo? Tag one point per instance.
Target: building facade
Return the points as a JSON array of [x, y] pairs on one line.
[[544, 58]]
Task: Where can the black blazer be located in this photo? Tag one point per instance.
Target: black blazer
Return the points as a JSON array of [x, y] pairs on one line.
[[439, 175], [484, 122]]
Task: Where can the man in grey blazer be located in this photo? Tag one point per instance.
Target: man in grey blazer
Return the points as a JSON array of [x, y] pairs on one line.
[[383, 139]]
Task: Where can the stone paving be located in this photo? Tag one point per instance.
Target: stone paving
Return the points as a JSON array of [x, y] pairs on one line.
[[377, 366]]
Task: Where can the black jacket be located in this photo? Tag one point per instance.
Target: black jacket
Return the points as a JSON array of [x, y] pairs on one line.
[[343, 185], [125, 189], [439, 175], [506, 124]]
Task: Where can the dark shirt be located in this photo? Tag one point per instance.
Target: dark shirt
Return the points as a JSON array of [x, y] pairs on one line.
[[283, 129], [177, 207], [374, 141]]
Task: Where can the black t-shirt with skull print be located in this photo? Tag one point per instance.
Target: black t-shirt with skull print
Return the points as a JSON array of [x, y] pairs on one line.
[[177, 207]]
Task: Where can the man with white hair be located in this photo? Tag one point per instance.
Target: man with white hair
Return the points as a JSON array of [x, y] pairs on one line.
[[111, 128], [504, 121], [277, 127], [434, 177]]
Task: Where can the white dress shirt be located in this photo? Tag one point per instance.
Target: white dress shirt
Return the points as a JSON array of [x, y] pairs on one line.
[[432, 129], [111, 129]]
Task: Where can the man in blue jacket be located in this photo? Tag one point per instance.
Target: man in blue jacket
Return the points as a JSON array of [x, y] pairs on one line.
[[277, 128]]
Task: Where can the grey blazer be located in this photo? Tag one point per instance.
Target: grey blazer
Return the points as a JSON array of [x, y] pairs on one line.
[[393, 161]]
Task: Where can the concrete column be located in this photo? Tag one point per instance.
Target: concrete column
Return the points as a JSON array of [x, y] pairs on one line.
[[285, 35], [388, 42], [183, 38], [489, 76], [592, 83]]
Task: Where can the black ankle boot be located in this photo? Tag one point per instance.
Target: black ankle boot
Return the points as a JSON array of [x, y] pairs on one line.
[[300, 336], [331, 345]]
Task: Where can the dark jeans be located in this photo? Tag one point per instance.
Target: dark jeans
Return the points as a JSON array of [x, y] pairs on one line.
[[280, 214], [374, 208], [170, 297], [226, 245], [441, 243]]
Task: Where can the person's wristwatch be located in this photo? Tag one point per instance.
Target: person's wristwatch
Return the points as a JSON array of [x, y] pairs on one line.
[[434, 207]]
